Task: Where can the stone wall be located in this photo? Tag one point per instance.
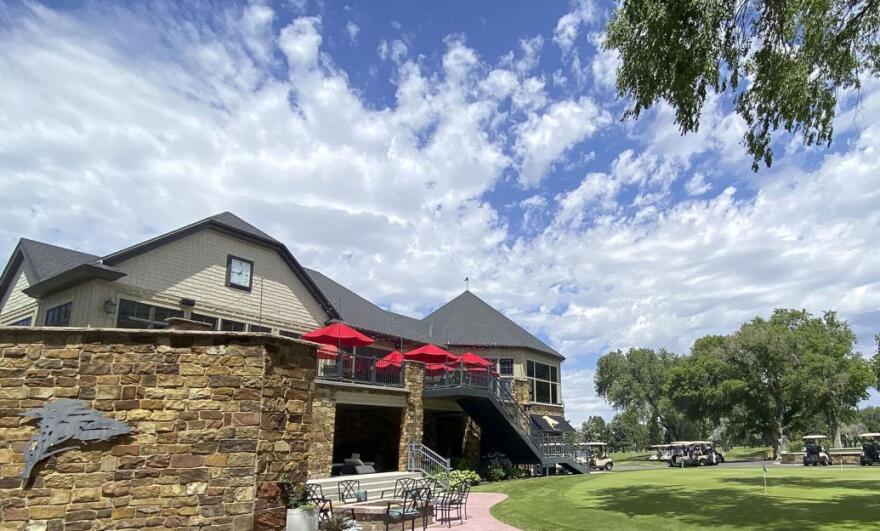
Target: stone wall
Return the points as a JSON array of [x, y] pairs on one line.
[[323, 414], [413, 422], [217, 419]]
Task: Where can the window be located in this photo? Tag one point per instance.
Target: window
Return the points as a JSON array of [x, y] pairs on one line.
[[22, 322], [543, 383], [232, 326], [260, 329], [143, 316], [59, 315], [503, 366], [205, 319], [288, 333]]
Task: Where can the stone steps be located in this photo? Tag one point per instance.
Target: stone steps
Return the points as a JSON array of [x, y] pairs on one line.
[[374, 484]]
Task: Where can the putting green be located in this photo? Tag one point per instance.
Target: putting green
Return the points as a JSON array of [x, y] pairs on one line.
[[695, 498]]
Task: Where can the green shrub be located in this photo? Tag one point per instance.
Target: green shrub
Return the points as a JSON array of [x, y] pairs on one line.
[[459, 477], [495, 473]]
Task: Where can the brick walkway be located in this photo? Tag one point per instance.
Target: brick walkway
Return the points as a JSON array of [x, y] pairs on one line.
[[479, 519]]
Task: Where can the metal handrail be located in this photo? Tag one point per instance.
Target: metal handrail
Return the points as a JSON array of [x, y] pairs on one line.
[[352, 368], [422, 459]]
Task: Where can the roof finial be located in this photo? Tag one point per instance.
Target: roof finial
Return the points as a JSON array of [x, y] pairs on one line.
[[467, 283]]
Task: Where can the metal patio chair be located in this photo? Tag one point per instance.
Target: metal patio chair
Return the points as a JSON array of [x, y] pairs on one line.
[[325, 506], [400, 486], [413, 507], [347, 490], [446, 502]]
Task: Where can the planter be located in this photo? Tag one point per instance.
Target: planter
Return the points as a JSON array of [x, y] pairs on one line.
[[302, 520]]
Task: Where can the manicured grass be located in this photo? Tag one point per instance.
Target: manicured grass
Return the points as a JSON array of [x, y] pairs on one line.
[[695, 498]]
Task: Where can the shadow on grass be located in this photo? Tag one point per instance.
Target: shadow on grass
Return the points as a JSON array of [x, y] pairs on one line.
[[735, 507]]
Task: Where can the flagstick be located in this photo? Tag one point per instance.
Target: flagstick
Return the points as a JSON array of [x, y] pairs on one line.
[[765, 482]]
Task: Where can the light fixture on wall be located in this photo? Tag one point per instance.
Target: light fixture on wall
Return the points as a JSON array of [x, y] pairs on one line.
[[110, 305]]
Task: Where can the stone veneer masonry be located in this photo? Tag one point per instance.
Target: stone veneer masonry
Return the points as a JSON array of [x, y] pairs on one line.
[[218, 418], [323, 407]]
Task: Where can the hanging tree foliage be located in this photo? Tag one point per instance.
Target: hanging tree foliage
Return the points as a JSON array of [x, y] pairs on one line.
[[782, 62]]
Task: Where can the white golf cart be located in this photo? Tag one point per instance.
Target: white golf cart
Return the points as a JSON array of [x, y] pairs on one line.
[[680, 454], [815, 452], [706, 454], [659, 452], [870, 449], [594, 455]]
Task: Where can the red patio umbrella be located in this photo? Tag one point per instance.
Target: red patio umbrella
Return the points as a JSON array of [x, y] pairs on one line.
[[339, 334], [393, 359], [431, 354], [472, 360], [328, 352]]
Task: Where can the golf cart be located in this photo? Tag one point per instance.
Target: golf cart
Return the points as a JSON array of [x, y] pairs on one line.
[[814, 453], [681, 454], [870, 449], [705, 453], [597, 456], [660, 452]]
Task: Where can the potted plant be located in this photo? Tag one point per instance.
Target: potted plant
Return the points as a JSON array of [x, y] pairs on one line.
[[302, 514]]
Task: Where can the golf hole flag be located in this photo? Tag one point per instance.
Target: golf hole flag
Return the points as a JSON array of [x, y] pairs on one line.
[[764, 465]]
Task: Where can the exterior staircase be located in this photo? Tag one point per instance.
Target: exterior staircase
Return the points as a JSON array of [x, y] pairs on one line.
[[489, 402]]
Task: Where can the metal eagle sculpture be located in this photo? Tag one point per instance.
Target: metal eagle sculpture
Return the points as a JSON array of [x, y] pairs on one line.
[[63, 423]]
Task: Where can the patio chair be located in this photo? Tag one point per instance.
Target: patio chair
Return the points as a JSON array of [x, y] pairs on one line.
[[354, 465], [462, 499], [447, 502], [348, 490], [413, 507], [434, 486], [325, 506], [400, 486]]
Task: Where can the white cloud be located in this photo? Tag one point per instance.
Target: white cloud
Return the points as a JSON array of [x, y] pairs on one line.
[[544, 138], [352, 29], [567, 28], [697, 185], [175, 119]]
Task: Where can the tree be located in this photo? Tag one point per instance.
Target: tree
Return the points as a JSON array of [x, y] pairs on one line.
[[695, 383], [782, 63], [636, 381], [793, 372], [627, 432], [834, 378], [594, 429], [877, 362]]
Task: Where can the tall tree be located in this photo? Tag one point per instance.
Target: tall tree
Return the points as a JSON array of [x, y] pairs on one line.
[[594, 429], [833, 377], [782, 63], [636, 381]]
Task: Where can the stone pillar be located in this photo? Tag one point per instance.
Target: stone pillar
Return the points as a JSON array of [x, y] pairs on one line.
[[323, 408], [412, 423], [520, 390]]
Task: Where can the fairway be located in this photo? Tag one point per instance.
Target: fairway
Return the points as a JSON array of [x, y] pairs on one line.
[[798, 498]]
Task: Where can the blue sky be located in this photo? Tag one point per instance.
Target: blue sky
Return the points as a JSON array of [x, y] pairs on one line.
[[401, 146]]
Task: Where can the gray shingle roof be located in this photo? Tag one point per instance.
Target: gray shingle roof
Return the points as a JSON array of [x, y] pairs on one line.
[[467, 320], [43, 260], [361, 313]]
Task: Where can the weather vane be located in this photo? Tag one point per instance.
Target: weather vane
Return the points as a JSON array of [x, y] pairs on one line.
[[467, 283]]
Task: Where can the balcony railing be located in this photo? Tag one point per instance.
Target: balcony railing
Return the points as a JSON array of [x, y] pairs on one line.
[[351, 368]]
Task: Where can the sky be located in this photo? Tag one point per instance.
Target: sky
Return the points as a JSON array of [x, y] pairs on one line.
[[400, 147]]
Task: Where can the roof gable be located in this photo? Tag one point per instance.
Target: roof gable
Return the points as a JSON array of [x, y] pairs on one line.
[[361, 313], [43, 260], [467, 320]]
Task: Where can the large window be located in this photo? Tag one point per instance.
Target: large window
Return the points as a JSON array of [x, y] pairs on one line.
[[503, 366], [138, 315], [205, 319], [22, 322], [59, 315], [259, 329], [543, 383], [232, 326]]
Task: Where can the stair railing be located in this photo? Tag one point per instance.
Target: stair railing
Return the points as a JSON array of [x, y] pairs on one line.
[[422, 459]]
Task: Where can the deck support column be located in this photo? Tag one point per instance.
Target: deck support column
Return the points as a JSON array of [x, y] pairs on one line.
[[412, 422]]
